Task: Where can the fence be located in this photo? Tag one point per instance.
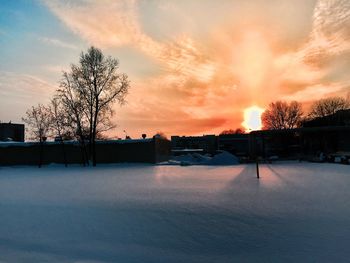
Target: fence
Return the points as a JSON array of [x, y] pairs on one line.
[[114, 151]]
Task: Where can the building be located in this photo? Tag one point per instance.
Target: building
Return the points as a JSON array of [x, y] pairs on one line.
[[340, 118], [237, 144], [205, 143], [328, 135], [300, 142], [11, 132]]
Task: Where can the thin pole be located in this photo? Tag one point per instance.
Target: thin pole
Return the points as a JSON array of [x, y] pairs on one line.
[[257, 168]]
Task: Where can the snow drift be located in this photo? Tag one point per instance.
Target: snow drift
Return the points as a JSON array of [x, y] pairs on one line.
[[222, 158]]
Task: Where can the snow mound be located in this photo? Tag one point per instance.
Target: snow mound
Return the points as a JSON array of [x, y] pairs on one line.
[[185, 158], [223, 158]]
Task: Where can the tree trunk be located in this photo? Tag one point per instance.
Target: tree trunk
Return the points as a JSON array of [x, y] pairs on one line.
[[83, 160], [90, 130], [94, 152], [82, 145], [84, 153], [64, 153], [89, 153], [41, 153], [94, 133]]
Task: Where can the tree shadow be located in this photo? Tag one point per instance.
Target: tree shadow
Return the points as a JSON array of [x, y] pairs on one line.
[[282, 177], [245, 181]]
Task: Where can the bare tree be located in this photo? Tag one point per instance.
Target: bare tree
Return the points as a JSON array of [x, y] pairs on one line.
[[69, 97], [160, 135], [328, 106], [59, 119], [38, 119], [95, 85], [281, 115], [230, 131], [59, 123]]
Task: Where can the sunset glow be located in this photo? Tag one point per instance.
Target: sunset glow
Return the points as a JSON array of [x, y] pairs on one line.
[[194, 66], [252, 118], [174, 130]]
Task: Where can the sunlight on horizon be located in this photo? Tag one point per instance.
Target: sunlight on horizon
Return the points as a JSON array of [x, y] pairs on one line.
[[252, 118]]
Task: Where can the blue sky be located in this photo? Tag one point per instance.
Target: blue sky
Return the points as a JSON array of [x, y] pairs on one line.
[[24, 27]]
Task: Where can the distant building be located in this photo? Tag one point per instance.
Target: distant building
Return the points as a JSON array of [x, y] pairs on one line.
[[329, 134], [205, 143], [300, 142], [326, 135], [237, 144], [11, 132], [340, 118]]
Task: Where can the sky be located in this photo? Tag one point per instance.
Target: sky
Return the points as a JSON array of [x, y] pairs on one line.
[[195, 66]]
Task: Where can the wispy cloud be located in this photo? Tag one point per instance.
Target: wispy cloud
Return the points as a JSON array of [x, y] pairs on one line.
[[116, 23], [57, 42], [319, 65], [232, 68], [21, 92], [113, 23], [55, 68]]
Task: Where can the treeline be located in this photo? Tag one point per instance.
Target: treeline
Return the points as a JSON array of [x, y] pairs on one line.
[[284, 115], [82, 107]]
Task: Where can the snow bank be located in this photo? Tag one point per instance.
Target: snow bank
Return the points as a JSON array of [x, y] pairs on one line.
[[223, 158]]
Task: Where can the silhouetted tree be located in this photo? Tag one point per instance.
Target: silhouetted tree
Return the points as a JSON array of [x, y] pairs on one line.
[[281, 115], [38, 119], [59, 123], [230, 131], [60, 120], [161, 135], [95, 85], [328, 106], [69, 97]]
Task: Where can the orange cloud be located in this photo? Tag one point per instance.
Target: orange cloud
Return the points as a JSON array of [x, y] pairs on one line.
[[204, 86]]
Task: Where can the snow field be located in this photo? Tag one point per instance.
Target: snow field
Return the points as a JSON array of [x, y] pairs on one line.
[[296, 212]]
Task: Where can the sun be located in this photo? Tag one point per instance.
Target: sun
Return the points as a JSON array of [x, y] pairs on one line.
[[252, 118]]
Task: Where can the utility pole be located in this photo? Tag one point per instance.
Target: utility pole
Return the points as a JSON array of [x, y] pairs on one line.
[[257, 157], [253, 149]]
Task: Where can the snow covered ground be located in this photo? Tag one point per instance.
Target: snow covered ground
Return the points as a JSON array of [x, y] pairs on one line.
[[296, 212], [221, 158]]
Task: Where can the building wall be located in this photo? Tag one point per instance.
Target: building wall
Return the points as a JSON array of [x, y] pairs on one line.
[[340, 118], [208, 143], [237, 144], [145, 151], [162, 149], [13, 131], [295, 143]]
